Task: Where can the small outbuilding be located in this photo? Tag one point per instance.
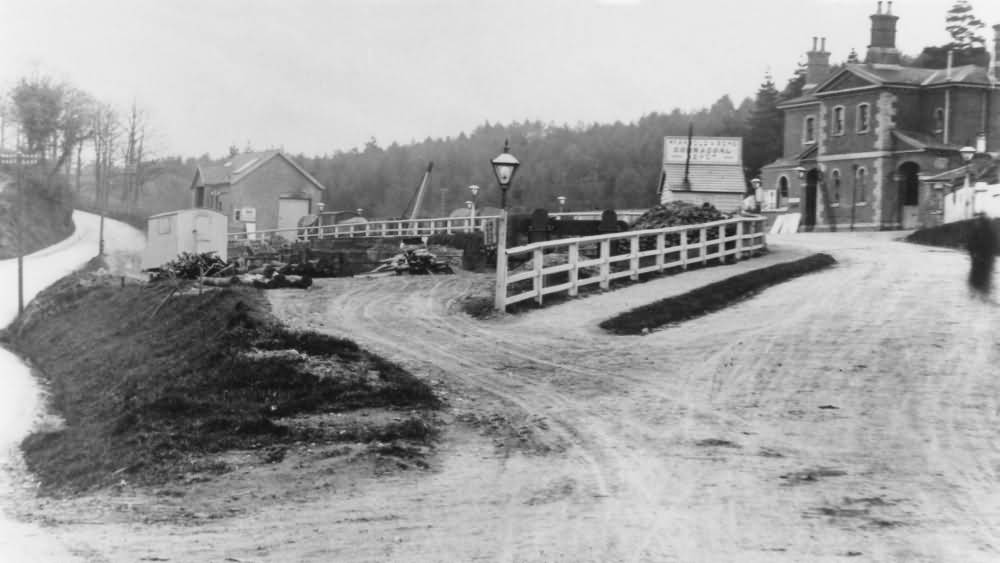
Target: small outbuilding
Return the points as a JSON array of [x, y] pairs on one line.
[[187, 230]]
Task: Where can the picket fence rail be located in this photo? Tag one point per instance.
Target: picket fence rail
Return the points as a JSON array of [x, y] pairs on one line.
[[376, 229], [692, 246]]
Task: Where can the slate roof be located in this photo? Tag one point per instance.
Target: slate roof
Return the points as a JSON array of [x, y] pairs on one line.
[[242, 165], [705, 178], [889, 75]]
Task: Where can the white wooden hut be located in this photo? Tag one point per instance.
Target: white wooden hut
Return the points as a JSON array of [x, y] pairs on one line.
[[185, 230]]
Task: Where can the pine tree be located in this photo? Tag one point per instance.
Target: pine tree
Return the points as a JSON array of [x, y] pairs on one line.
[[766, 123], [964, 27]]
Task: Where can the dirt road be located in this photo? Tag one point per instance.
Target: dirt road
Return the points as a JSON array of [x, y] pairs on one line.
[[847, 414]]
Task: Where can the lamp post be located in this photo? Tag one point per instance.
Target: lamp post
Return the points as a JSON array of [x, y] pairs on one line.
[[504, 167], [970, 202], [562, 203], [472, 205]]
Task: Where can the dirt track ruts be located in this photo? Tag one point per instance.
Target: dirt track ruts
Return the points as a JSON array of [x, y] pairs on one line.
[[849, 412]]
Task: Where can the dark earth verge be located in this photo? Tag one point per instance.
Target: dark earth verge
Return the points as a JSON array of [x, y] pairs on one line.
[[711, 297], [46, 218], [150, 387], [949, 235]]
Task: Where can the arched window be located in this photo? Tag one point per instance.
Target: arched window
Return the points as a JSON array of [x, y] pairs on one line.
[[864, 118], [838, 120], [835, 187], [782, 190], [862, 189], [809, 130], [939, 121]]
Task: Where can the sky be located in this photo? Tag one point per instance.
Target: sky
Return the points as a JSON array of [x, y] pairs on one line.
[[318, 76]]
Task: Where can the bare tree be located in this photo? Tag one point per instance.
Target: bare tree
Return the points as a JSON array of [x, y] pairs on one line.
[[106, 135]]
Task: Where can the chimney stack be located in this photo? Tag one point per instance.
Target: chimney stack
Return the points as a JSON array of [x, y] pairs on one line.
[[882, 49], [996, 52], [817, 64]]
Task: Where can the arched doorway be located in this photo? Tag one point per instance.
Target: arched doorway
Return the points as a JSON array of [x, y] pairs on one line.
[[809, 208], [908, 185]]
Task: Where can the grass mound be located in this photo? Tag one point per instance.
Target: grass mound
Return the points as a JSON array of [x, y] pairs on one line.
[[711, 297], [143, 395]]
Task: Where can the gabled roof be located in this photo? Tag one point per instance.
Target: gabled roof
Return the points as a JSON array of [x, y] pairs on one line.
[[898, 75], [242, 165], [705, 178]]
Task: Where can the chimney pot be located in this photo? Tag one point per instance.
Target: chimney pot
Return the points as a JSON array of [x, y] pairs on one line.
[[814, 42], [822, 44], [889, 11], [879, 7]]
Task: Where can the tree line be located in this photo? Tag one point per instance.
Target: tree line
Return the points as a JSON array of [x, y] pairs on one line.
[[594, 166]]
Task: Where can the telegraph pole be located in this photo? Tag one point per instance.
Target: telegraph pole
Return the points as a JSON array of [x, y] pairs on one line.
[[20, 235]]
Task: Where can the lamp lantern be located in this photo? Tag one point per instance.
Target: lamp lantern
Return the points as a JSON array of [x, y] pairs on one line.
[[505, 166]]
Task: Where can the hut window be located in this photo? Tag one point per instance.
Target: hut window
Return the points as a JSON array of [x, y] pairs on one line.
[[163, 226]]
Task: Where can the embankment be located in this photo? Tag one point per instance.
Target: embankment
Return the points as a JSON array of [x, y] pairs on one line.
[[46, 216], [148, 383]]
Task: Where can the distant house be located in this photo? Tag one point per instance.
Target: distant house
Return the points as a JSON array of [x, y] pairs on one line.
[[706, 170], [257, 191]]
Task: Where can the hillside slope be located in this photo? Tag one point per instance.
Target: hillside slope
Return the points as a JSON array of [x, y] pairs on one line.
[[46, 220]]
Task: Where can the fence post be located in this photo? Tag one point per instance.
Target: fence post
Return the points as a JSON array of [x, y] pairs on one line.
[[574, 274], [661, 249], [605, 264], [633, 262], [500, 298], [703, 244], [684, 249], [538, 259], [739, 240]]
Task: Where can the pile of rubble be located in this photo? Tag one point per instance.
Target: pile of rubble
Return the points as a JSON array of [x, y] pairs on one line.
[[413, 259]]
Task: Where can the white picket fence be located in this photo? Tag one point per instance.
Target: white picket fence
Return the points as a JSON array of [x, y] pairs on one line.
[[595, 252], [377, 229]]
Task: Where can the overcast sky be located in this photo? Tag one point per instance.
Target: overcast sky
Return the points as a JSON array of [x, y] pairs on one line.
[[319, 76]]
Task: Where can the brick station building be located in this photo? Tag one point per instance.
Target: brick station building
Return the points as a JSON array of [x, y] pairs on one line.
[[868, 133]]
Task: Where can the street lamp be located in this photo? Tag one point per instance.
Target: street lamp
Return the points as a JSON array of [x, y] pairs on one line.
[[562, 202], [360, 211], [967, 153], [504, 166]]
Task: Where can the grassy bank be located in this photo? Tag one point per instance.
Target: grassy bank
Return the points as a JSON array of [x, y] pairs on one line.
[[45, 216], [711, 297], [147, 384], [949, 235]]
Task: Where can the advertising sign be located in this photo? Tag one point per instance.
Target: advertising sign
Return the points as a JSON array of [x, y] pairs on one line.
[[704, 150]]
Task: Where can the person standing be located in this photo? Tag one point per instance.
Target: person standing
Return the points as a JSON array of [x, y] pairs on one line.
[[982, 245]]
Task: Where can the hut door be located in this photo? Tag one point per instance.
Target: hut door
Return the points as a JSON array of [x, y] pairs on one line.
[[203, 234]]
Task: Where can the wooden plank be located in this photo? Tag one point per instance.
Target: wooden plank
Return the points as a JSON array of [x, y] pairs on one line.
[[661, 250], [605, 263], [538, 262], [574, 271], [634, 261]]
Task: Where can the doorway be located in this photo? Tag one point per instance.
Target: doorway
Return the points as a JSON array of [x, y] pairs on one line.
[[909, 194], [809, 207]]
